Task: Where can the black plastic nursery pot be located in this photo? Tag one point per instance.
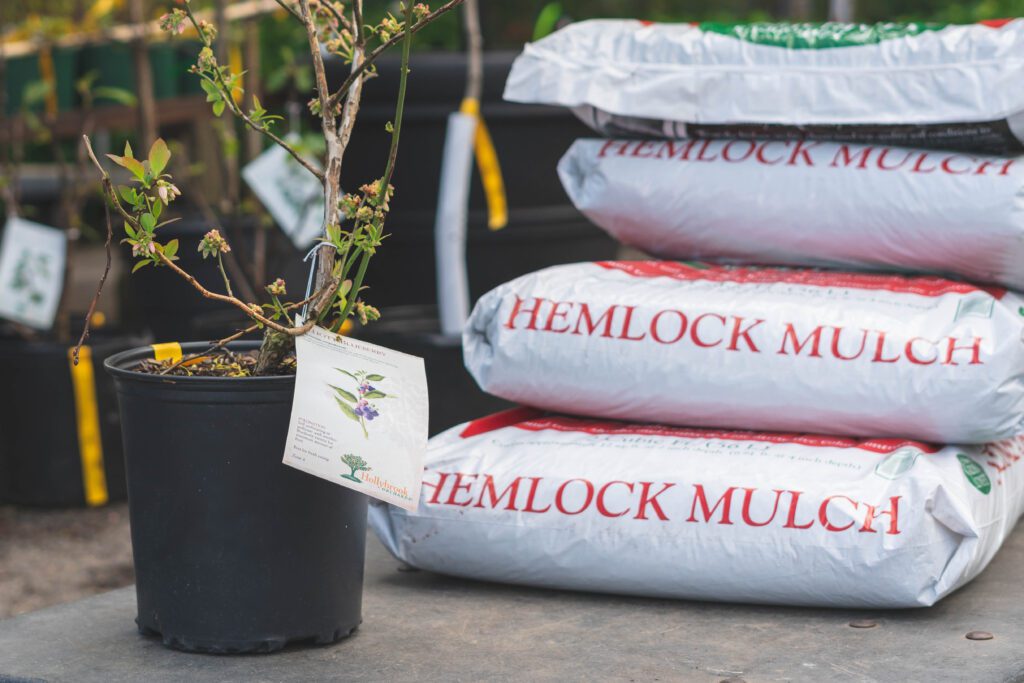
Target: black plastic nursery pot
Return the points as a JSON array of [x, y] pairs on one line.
[[234, 552], [60, 433]]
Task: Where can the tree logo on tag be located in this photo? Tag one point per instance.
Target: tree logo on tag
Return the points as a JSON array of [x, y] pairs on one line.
[[359, 406], [357, 465]]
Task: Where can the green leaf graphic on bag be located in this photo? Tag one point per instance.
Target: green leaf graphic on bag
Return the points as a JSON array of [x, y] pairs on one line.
[[975, 474]]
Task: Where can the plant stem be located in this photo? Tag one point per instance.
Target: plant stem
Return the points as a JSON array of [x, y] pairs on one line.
[[224, 274], [396, 131]]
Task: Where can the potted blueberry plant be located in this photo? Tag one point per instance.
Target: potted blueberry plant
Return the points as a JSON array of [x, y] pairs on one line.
[[233, 551]]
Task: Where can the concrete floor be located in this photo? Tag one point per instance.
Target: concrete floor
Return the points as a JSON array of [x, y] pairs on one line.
[[425, 627]]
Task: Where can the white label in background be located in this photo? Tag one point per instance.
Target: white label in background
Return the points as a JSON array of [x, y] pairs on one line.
[[32, 258], [292, 195], [359, 417]]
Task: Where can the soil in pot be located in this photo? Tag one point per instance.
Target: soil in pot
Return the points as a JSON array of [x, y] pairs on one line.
[[233, 551], [60, 432]]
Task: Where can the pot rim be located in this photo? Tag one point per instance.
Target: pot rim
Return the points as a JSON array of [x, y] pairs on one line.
[[114, 365]]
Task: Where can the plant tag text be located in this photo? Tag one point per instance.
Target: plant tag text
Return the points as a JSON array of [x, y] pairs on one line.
[[359, 417], [32, 258]]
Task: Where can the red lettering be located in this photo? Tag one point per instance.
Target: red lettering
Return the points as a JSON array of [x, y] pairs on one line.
[[654, 327], [823, 513], [534, 483], [556, 313], [802, 148], [602, 508], [837, 332], [791, 517], [561, 491], [517, 310], [700, 499], [512, 489], [748, 498], [844, 151], [625, 326], [914, 358], [457, 486], [764, 145], [670, 147], [750, 150], [696, 323], [704, 148], [873, 514], [622, 145], [975, 349], [798, 346], [948, 169], [640, 146], [920, 162], [879, 350], [606, 317], [436, 487], [647, 499], [885, 152], [737, 332]]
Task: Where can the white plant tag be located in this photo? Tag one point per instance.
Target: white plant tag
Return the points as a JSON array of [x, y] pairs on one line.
[[359, 417], [292, 195], [32, 258]]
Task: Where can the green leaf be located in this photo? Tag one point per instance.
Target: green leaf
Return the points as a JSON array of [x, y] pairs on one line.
[[375, 378], [375, 394], [346, 372], [171, 248], [140, 264], [133, 165], [129, 230], [159, 155], [209, 88], [344, 394], [158, 208], [148, 222], [218, 107], [119, 95], [347, 409], [128, 150], [127, 194]]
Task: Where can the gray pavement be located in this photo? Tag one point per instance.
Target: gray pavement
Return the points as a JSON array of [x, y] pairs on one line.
[[425, 627]]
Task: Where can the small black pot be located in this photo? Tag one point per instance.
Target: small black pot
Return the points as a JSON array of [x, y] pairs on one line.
[[454, 395], [234, 552], [60, 435]]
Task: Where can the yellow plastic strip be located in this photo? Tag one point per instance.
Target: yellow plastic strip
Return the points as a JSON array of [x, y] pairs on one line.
[[90, 442], [49, 76], [167, 351], [490, 168], [235, 62]]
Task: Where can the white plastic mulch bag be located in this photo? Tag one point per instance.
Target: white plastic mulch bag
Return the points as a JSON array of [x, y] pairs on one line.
[[739, 516], [756, 348], [953, 86], [809, 203]]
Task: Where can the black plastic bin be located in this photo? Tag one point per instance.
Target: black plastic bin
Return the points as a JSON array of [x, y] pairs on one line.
[[234, 551]]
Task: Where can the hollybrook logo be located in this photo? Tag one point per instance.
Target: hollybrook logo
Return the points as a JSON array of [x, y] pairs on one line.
[[733, 333], [663, 502], [806, 154]]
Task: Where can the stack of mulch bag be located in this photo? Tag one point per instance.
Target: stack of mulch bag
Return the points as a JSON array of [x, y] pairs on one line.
[[839, 424]]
